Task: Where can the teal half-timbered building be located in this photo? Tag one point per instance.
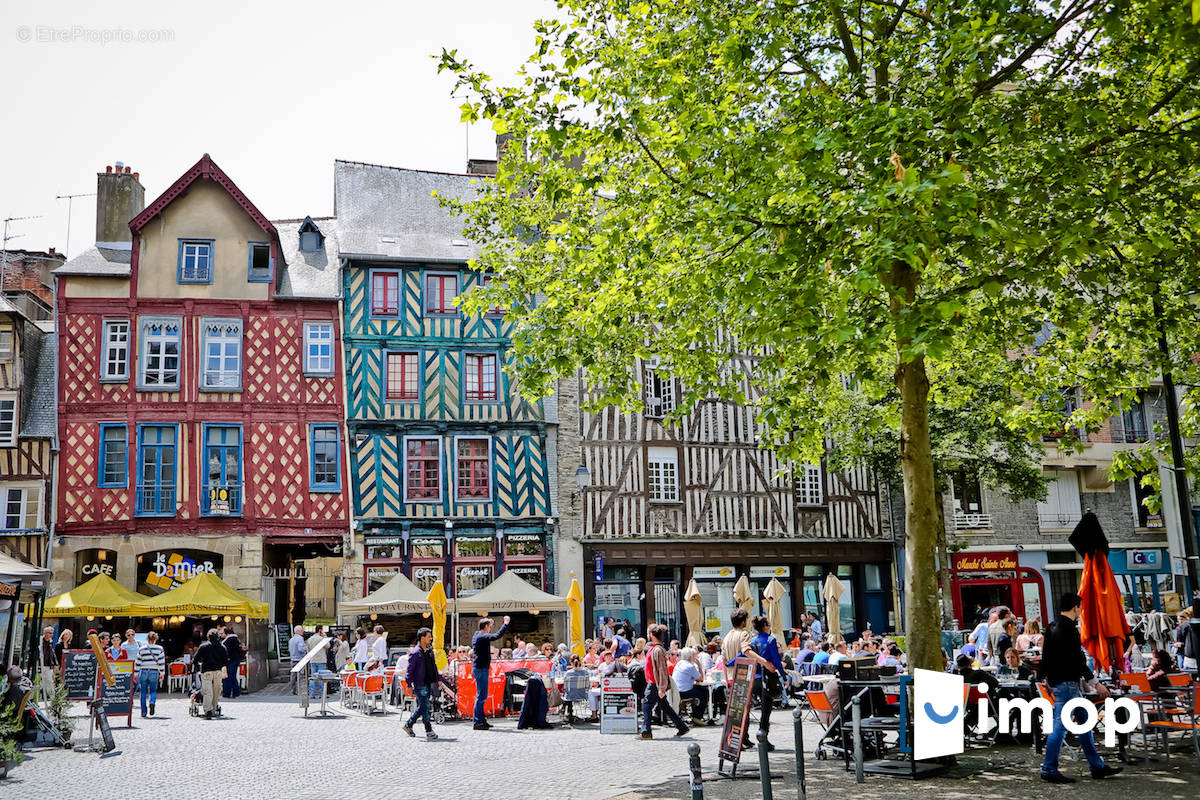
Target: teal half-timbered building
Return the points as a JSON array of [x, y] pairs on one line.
[[451, 469]]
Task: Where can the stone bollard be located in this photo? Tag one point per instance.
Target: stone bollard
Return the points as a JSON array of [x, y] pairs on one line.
[[694, 766], [797, 723], [764, 766]]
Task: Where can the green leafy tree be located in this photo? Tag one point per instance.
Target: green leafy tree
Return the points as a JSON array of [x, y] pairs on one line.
[[878, 190]]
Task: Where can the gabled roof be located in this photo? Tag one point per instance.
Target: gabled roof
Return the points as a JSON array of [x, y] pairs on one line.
[[204, 168], [107, 262], [392, 213], [308, 225]]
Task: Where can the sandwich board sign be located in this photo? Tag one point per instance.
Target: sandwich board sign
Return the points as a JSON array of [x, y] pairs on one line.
[[737, 714], [618, 707]]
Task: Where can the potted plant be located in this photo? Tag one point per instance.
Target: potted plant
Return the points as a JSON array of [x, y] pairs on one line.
[[10, 741]]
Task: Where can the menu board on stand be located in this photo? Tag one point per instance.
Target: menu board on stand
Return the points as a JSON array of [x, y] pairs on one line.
[[283, 632], [737, 715], [80, 672], [618, 707], [117, 698]]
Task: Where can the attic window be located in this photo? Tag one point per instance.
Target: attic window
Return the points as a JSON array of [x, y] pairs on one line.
[[309, 241], [260, 262]]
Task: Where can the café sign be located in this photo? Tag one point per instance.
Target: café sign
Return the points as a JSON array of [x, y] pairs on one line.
[[985, 562]]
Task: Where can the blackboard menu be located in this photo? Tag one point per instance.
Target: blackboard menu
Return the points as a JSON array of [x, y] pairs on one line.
[[79, 674], [101, 723], [283, 632], [117, 699], [737, 712]]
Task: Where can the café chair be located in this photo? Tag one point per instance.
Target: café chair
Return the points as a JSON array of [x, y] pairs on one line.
[[371, 695], [1190, 724], [241, 676], [830, 738], [177, 675], [574, 691], [1179, 679]]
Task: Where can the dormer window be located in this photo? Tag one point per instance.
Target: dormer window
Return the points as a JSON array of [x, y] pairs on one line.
[[311, 238]]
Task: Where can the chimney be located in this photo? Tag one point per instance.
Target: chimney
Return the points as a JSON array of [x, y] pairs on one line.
[[120, 197], [481, 166]]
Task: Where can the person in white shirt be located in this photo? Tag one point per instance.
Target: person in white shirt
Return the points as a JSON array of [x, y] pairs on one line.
[[687, 674], [839, 652], [362, 649], [379, 652]]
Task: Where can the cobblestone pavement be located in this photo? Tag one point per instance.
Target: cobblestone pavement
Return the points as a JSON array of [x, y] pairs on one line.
[[266, 748]]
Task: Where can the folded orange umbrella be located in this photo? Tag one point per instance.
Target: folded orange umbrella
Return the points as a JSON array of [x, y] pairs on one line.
[[1102, 624]]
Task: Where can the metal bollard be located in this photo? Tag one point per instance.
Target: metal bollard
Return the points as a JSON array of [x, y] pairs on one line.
[[764, 765], [697, 777], [856, 717], [798, 724]]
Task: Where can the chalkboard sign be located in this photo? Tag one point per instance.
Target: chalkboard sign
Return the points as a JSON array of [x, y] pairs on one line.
[[79, 674], [737, 712], [101, 723], [283, 632], [118, 698]]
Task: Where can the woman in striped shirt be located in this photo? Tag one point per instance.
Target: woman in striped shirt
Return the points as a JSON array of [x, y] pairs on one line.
[[150, 666]]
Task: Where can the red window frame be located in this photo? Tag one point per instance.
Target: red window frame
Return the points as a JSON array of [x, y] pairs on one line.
[[385, 294], [436, 301], [403, 383], [485, 384], [494, 311], [473, 481], [422, 464]]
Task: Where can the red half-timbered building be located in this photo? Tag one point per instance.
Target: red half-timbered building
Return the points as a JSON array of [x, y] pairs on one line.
[[200, 392]]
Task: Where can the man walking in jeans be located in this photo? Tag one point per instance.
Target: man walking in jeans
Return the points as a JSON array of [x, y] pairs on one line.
[[658, 683], [422, 676], [481, 666], [1063, 666]]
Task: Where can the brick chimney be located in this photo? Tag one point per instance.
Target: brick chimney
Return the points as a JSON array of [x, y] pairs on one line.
[[120, 197]]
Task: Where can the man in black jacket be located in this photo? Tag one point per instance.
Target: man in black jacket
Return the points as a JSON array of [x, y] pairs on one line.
[[208, 660], [481, 666], [1063, 666], [233, 655]]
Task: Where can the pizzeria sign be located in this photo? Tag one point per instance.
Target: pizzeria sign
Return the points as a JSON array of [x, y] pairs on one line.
[[985, 562]]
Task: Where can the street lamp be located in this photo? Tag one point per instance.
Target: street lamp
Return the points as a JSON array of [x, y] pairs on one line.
[[583, 479]]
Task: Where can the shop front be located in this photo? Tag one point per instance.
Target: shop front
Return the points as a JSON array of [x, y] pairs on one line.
[[1145, 579], [979, 581], [645, 581]]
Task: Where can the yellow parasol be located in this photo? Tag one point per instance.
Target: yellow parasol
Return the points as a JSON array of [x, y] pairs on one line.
[[100, 596], [773, 603], [832, 590], [575, 618], [692, 606], [437, 606], [743, 596]]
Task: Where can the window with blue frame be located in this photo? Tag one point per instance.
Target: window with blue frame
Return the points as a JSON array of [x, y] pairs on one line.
[[324, 474], [318, 348], [222, 368], [259, 268], [114, 456], [195, 260], [221, 495], [156, 470]]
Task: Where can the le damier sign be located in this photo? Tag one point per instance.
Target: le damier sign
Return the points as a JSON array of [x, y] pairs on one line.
[[984, 562]]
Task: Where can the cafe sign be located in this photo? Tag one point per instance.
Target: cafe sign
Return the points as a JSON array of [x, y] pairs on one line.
[[985, 562], [95, 561], [722, 573], [770, 572], [162, 570], [7, 589]]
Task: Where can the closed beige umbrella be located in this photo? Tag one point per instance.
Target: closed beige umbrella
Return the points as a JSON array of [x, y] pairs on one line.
[[744, 596], [773, 603], [692, 603], [832, 590]]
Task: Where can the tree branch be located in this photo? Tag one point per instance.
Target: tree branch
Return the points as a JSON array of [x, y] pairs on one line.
[[1010, 69], [666, 173]]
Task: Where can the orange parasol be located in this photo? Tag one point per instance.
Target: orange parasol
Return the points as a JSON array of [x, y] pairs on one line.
[[1102, 624]]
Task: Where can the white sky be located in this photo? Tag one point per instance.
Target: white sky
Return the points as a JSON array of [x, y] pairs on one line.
[[274, 91]]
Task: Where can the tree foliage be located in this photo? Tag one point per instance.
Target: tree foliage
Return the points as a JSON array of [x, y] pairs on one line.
[[873, 196]]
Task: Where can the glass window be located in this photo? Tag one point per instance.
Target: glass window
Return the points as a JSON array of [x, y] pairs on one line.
[[422, 469], [872, 578], [8, 420], [309, 241], [403, 376], [846, 602], [429, 548], [472, 578], [384, 552], [522, 545], [195, 261], [260, 262], [619, 601], [222, 354], [385, 294], [114, 457], [116, 350], [156, 471], [662, 474], [716, 604], [14, 510], [481, 547], [318, 348], [474, 470], [222, 495], [6, 345], [494, 311], [440, 293], [531, 574], [426, 577], [660, 394], [809, 487], [480, 377], [325, 461], [378, 576], [160, 353]]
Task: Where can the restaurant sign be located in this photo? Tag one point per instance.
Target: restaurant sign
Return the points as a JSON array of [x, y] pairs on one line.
[[720, 573], [95, 561], [985, 562], [7, 589], [770, 572], [162, 570]]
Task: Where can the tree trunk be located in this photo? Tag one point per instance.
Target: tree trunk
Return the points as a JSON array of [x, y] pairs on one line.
[[921, 517]]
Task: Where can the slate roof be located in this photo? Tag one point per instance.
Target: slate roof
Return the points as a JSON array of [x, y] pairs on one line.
[[314, 275], [99, 261], [38, 392], [391, 213]]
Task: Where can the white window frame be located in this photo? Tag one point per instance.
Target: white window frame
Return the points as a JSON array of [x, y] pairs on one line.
[[8, 419], [810, 485], [30, 493], [223, 334], [8, 338], [662, 474], [660, 394], [114, 353], [312, 364], [144, 344]]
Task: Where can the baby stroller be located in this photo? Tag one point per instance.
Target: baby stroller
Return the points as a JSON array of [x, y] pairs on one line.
[[196, 698], [443, 704]]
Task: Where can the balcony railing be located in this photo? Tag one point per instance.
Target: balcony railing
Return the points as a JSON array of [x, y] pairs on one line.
[[222, 500], [1135, 435], [1057, 521], [964, 521], [155, 499]]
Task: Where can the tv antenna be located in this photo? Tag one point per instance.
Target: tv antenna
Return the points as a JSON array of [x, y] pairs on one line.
[[70, 198]]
